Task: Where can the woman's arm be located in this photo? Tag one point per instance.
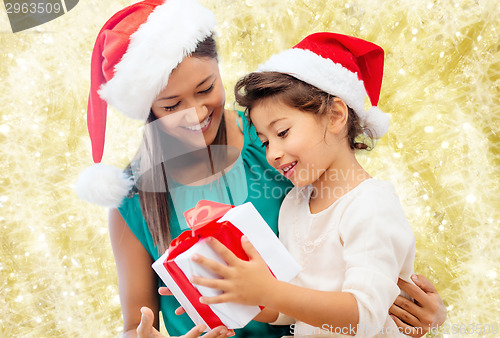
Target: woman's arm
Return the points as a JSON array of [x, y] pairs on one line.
[[426, 313], [267, 315], [137, 281]]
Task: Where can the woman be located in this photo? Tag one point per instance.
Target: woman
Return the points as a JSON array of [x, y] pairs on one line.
[[156, 61]]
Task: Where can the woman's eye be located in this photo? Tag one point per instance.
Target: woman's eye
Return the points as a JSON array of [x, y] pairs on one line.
[[208, 90], [265, 144], [283, 133], [171, 108]]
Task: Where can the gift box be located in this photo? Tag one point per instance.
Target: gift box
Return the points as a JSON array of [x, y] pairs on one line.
[[227, 224]]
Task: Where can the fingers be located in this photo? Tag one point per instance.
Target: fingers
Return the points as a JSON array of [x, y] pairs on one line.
[[406, 310], [145, 328], [179, 311], [219, 284], [222, 298], [432, 305], [164, 291], [228, 256], [413, 290], [195, 331], [250, 250], [218, 268], [218, 332], [407, 329], [424, 283], [147, 318]]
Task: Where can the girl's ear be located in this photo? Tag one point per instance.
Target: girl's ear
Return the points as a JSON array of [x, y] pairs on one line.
[[337, 117]]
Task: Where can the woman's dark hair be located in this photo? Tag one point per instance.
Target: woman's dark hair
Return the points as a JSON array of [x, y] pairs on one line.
[[206, 48], [295, 93], [154, 204]]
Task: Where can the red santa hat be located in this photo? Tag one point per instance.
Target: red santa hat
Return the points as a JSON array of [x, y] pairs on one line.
[[133, 56], [341, 65]]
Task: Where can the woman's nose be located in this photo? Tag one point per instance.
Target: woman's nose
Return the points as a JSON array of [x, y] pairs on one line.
[[197, 114]]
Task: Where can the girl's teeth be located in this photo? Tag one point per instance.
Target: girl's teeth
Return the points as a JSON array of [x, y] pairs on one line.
[[289, 167]]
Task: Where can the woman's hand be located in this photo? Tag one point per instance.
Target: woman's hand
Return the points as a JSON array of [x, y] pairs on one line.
[[146, 329], [426, 313], [243, 282], [164, 291]]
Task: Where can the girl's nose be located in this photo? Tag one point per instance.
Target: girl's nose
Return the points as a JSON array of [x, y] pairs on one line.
[[274, 154]]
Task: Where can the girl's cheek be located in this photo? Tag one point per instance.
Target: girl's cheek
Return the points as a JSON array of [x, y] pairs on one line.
[[293, 143]]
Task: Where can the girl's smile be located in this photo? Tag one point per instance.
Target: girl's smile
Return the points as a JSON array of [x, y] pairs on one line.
[[288, 169]]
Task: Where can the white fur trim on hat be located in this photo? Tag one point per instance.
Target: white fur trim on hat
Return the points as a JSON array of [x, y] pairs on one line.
[[321, 73], [377, 122], [103, 185], [332, 78], [171, 32]]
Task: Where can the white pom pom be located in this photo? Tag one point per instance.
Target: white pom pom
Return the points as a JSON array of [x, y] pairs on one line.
[[377, 121], [103, 185]]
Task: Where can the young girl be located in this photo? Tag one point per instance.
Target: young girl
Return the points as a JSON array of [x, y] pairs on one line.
[[156, 61], [346, 229]]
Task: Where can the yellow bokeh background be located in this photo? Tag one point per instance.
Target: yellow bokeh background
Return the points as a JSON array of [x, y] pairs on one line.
[[441, 87]]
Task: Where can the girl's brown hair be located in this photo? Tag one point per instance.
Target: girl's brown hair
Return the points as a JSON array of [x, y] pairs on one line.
[[155, 202], [295, 93]]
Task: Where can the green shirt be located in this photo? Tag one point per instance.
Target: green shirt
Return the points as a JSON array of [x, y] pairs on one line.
[[251, 179]]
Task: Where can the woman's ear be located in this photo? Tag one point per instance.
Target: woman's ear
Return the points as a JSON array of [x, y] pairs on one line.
[[337, 116]]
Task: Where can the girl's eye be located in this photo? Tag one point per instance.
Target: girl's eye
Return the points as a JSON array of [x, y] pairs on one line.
[[171, 108], [208, 90], [283, 133], [265, 144]]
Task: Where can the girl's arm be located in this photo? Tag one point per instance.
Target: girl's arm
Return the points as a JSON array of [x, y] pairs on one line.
[[137, 281], [251, 283]]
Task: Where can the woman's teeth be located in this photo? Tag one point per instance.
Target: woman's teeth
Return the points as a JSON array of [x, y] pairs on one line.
[[200, 126]]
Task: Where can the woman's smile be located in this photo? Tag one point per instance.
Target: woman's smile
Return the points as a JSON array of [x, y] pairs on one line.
[[200, 127]]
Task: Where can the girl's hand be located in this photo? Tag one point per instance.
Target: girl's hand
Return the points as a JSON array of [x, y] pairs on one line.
[[146, 329], [243, 282], [426, 313]]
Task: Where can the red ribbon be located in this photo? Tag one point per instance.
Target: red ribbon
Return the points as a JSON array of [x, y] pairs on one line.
[[202, 220]]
